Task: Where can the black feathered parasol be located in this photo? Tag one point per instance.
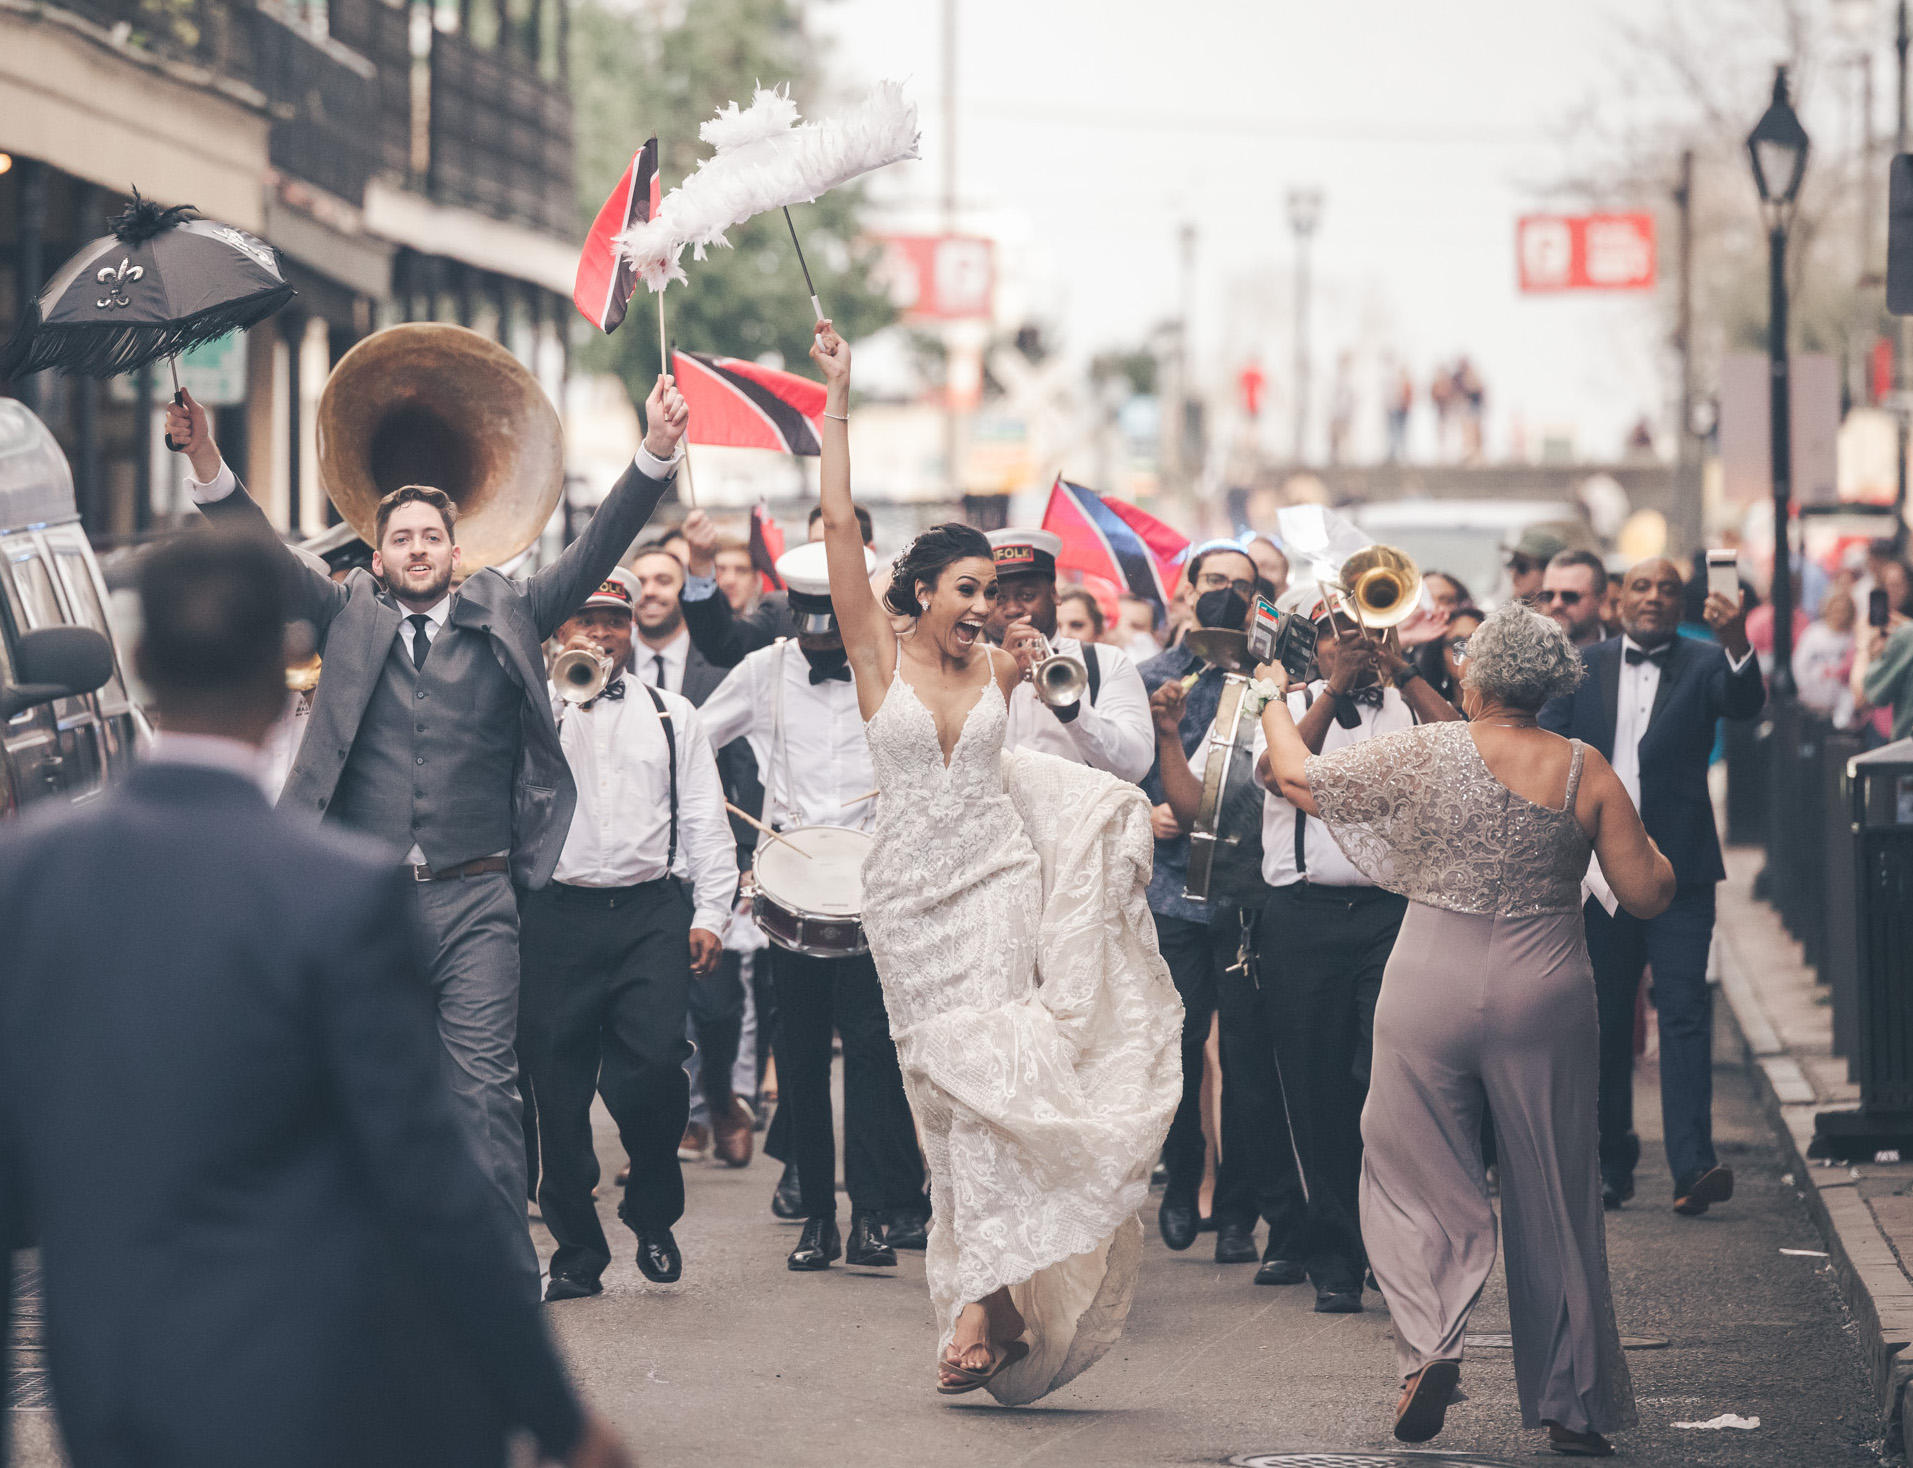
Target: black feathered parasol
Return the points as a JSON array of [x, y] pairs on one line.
[[162, 282]]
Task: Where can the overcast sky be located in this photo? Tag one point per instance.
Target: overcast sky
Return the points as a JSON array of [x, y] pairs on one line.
[[1091, 130]]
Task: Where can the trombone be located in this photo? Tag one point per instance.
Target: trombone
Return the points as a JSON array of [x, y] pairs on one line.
[[1380, 587], [580, 673]]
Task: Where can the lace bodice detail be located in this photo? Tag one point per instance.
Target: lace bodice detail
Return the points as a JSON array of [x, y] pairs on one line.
[[1420, 813]]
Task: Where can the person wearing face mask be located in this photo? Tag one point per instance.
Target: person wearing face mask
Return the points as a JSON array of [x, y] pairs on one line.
[[1322, 939], [1109, 727], [796, 702]]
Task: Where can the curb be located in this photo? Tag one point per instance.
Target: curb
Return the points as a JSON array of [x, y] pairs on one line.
[[1872, 1283]]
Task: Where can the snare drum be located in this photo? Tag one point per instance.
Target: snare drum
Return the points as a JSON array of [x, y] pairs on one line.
[[809, 900]]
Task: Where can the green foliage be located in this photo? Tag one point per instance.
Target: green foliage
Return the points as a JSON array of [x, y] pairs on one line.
[[632, 76]]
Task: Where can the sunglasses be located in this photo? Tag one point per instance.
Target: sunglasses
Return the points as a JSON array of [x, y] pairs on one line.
[[1566, 598], [1521, 565]]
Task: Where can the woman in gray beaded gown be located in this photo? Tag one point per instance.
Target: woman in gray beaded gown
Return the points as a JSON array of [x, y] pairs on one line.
[[1488, 999]]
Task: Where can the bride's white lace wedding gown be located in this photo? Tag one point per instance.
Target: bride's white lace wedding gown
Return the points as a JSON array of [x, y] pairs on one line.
[[1036, 1024]]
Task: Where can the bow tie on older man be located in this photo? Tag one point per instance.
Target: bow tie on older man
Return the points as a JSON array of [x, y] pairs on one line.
[[1658, 656]]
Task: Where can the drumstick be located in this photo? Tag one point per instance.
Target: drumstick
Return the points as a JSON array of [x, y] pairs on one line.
[[868, 794], [751, 820], [1190, 681]]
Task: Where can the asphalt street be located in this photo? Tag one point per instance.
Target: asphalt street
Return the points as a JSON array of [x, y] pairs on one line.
[[744, 1362]]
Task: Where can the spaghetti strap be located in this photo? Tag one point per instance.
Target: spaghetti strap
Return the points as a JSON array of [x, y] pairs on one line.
[[1574, 774]]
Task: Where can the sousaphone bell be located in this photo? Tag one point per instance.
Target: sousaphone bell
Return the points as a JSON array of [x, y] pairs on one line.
[[426, 403]]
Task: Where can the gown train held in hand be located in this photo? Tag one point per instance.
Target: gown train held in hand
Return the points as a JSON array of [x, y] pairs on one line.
[[1035, 1021]]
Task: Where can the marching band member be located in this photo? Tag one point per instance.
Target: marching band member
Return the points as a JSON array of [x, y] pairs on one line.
[[797, 706], [611, 946], [1322, 940], [1109, 728]]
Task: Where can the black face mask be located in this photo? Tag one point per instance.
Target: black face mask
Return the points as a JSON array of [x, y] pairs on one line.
[[828, 661], [1224, 607]]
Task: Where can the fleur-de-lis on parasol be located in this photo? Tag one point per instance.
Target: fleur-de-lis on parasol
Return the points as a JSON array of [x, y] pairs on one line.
[[116, 281]]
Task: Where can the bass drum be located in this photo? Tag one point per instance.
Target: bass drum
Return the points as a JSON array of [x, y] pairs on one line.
[[807, 892], [1225, 844]]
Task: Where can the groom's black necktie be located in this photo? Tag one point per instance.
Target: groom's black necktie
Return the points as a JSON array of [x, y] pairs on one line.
[[421, 644]]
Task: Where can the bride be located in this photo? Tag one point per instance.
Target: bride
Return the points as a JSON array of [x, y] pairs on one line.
[[1036, 1025]]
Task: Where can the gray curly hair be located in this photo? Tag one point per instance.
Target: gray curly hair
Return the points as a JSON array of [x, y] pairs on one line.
[[1520, 658]]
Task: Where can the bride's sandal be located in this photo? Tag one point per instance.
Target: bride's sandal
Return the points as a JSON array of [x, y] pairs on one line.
[[969, 1378], [1424, 1406]]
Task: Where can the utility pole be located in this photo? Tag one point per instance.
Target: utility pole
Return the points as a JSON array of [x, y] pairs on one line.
[[1690, 517], [1901, 39], [952, 471], [1305, 213], [1175, 408]]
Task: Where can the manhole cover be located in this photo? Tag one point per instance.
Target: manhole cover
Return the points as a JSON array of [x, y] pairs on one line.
[[1364, 1460], [1505, 1342]]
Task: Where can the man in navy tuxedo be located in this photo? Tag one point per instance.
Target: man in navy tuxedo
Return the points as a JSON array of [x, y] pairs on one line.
[[1651, 704], [265, 1236]]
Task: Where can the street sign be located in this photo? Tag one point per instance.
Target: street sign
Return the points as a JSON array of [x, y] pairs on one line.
[[1585, 252], [939, 277]]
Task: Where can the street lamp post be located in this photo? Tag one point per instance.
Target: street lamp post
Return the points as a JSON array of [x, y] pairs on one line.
[[1305, 213], [1777, 148]]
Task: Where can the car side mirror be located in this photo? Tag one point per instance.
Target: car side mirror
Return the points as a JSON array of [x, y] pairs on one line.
[[56, 662]]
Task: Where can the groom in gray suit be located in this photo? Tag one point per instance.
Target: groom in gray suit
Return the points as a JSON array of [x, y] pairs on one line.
[[432, 731]]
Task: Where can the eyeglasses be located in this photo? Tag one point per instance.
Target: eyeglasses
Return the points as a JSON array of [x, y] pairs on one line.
[[1458, 647], [1216, 581], [1566, 598]]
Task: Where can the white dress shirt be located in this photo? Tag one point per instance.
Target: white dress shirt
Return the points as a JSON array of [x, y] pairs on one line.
[[814, 779], [1634, 707], [621, 830], [1114, 734], [675, 653], [1327, 866]]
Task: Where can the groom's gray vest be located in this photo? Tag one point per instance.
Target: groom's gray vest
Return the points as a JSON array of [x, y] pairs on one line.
[[433, 759]]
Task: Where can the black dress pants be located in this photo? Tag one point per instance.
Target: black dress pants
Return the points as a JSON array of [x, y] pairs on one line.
[[882, 1167], [717, 1024], [1320, 954], [602, 1003]]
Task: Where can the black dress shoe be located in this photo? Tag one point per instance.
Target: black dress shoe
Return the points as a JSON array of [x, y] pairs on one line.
[[658, 1257], [1337, 1301], [866, 1244], [909, 1229], [788, 1201], [1177, 1224], [1712, 1185], [817, 1246], [571, 1287], [1281, 1272], [1235, 1244], [1615, 1191]]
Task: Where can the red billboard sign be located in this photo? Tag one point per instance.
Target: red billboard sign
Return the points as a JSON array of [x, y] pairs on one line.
[[939, 277], [1585, 252]]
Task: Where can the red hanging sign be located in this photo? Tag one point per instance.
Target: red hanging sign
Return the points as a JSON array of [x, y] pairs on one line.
[[1585, 252]]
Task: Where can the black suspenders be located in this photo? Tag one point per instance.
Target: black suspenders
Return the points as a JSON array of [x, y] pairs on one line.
[[671, 753]]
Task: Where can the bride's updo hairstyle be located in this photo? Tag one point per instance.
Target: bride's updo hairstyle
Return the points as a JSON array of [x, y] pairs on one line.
[[1521, 659], [926, 559]]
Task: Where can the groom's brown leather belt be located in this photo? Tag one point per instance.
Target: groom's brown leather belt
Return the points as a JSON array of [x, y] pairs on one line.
[[470, 869]]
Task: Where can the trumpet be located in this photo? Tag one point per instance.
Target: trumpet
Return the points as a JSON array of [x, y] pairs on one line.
[[580, 673], [1059, 679]]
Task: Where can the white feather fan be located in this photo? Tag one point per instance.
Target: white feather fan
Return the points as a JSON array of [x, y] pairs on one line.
[[765, 159]]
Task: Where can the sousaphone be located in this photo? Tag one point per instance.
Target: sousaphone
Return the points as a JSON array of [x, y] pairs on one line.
[[426, 403]]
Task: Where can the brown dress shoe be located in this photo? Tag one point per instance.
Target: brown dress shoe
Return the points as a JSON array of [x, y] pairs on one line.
[[697, 1141], [731, 1134]]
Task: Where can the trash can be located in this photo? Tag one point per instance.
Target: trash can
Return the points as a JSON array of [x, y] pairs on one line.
[[1880, 786]]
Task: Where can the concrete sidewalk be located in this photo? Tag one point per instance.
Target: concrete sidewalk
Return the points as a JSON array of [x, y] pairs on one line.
[[1785, 1018]]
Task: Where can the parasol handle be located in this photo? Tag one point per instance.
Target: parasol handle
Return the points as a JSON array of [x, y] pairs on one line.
[[179, 398], [816, 306]]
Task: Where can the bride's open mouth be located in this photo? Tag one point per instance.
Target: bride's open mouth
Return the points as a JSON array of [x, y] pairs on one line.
[[967, 633]]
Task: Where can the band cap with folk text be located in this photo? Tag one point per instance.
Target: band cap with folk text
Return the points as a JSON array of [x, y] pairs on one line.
[[1019, 551], [619, 589]]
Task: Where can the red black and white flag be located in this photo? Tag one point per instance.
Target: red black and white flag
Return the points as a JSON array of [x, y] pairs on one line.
[[767, 544], [745, 405], [1107, 537], [606, 279]]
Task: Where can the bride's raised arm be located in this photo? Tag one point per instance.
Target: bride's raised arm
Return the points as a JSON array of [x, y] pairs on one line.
[[868, 639]]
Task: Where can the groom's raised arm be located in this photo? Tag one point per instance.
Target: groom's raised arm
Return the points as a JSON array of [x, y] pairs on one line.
[[561, 588]]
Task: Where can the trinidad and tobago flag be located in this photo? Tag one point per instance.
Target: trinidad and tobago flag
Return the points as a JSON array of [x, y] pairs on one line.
[[739, 404], [767, 544], [1108, 538], [606, 279]]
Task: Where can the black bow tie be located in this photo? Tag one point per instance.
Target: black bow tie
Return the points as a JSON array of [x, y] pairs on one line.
[[1657, 656], [612, 692], [1371, 696], [838, 674]]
